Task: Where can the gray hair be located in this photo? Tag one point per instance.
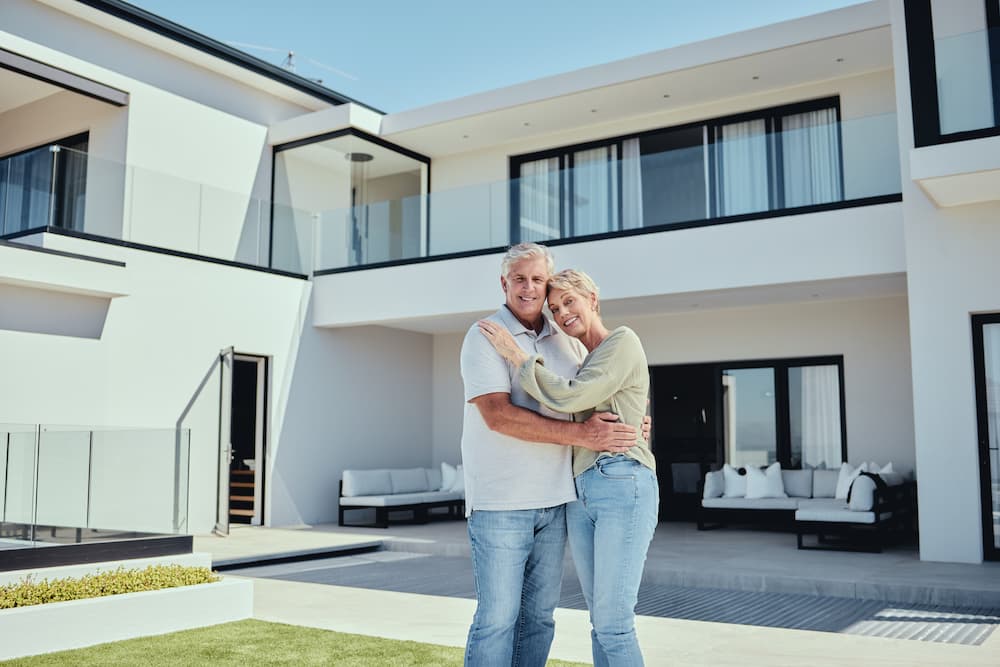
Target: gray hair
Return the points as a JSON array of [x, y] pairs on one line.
[[516, 253], [578, 281]]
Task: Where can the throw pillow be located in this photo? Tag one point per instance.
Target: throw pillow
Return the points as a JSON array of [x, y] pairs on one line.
[[459, 483], [862, 494], [715, 484], [736, 484], [847, 475], [765, 483], [447, 476]]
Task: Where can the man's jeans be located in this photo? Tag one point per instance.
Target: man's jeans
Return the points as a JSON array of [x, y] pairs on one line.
[[610, 528], [517, 561]]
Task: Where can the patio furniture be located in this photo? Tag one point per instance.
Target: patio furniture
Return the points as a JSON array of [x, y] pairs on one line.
[[417, 491]]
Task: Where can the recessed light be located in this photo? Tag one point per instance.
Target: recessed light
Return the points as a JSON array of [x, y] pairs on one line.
[[815, 296], [593, 111], [526, 123], [755, 77], [465, 136], [840, 60], [666, 95], [695, 305]]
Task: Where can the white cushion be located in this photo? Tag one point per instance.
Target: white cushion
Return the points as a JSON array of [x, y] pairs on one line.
[[736, 484], [825, 483], [798, 483], [409, 480], [715, 484], [862, 494], [397, 499], [847, 475], [459, 484], [433, 478], [830, 503], [366, 482], [765, 483], [843, 515], [447, 476], [751, 503]]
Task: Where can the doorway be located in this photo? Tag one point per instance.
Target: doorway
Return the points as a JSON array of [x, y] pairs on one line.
[[247, 426], [986, 356]]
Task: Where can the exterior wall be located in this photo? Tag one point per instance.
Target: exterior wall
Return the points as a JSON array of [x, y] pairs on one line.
[[952, 273], [871, 334], [151, 361]]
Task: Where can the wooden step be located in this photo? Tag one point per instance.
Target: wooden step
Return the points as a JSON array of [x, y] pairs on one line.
[[240, 512], [248, 499], [242, 472], [241, 485]]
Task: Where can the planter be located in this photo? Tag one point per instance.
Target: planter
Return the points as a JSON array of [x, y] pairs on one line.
[[59, 626]]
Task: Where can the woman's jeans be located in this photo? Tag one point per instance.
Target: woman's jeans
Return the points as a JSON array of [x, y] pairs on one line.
[[610, 528]]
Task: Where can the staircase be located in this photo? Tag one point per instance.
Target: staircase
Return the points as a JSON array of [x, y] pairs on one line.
[[241, 506]]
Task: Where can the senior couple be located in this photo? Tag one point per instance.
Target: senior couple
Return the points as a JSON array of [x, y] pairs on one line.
[[554, 443]]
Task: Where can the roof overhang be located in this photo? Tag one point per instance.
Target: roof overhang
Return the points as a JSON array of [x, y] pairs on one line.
[[966, 172]]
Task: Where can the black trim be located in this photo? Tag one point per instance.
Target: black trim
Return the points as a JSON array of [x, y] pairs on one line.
[[59, 253], [745, 217], [990, 551], [94, 552], [993, 36], [195, 40], [36, 69], [65, 142], [149, 248], [772, 120]]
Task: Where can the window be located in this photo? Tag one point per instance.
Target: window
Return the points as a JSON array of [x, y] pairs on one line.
[[44, 186], [766, 160]]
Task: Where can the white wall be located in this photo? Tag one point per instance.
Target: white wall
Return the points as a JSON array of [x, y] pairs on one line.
[[871, 334], [952, 272]]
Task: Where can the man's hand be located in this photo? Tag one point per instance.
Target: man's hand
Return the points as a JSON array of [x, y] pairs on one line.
[[604, 433]]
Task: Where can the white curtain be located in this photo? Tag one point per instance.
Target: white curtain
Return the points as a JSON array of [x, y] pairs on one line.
[[810, 151], [741, 167], [820, 418], [538, 192], [27, 190], [595, 190], [631, 185]]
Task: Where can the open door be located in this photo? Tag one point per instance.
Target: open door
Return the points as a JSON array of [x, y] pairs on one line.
[[246, 436], [226, 359]]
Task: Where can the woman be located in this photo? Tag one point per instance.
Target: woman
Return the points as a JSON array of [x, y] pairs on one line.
[[612, 523]]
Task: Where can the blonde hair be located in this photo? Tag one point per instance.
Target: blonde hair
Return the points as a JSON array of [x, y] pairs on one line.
[[578, 281], [516, 253]]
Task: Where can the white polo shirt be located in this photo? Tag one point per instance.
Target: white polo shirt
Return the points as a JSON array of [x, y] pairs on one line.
[[501, 472]]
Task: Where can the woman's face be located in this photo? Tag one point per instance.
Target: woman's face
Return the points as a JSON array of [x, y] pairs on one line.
[[573, 312]]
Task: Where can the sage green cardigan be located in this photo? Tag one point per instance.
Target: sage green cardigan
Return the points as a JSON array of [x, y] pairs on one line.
[[614, 378]]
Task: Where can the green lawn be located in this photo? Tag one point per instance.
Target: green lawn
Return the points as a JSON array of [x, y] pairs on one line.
[[256, 643]]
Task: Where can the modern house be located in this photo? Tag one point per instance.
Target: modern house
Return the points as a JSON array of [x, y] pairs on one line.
[[199, 249]]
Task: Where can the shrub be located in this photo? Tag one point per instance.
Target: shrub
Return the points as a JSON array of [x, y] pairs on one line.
[[113, 582]]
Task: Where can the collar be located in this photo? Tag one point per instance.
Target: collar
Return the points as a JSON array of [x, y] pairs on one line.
[[515, 327]]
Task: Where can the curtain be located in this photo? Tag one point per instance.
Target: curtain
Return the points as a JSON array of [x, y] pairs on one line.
[[810, 151], [72, 188], [820, 415], [631, 185], [741, 167], [28, 189], [538, 192], [595, 190]]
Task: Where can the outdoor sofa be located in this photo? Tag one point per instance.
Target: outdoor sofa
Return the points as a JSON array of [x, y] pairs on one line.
[[414, 490], [851, 508]]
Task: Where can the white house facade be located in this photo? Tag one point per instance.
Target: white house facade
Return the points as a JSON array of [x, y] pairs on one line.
[[199, 249]]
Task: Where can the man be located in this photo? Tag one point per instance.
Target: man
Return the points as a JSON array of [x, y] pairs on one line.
[[518, 472]]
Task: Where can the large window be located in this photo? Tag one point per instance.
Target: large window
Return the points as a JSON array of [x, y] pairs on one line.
[[44, 186], [777, 158]]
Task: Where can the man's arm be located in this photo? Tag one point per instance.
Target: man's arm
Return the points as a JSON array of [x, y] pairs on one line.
[[601, 433]]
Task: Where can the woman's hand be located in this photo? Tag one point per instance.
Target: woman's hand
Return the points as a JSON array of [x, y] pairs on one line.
[[503, 342]]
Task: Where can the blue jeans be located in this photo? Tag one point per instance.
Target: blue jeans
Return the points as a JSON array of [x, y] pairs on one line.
[[517, 561], [610, 528]]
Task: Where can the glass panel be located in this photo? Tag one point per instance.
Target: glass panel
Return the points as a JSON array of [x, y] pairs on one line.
[[27, 189], [741, 166], [810, 158], [965, 81], [991, 357], [674, 184], [539, 193], [595, 190], [814, 416], [748, 414]]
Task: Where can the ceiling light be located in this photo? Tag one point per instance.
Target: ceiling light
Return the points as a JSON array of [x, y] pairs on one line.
[[593, 111], [666, 95], [755, 77], [465, 136], [526, 123], [359, 157], [840, 60]]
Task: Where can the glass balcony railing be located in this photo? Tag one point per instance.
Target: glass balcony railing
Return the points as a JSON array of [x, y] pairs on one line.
[[64, 484], [967, 85], [752, 174]]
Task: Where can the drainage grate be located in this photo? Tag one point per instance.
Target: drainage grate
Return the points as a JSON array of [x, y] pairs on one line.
[[452, 577]]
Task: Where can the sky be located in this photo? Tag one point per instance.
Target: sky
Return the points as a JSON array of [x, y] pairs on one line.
[[402, 54]]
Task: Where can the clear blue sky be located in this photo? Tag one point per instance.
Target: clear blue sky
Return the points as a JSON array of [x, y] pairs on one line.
[[400, 54]]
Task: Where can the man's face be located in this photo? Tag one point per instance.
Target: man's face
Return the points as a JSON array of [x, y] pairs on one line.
[[525, 289]]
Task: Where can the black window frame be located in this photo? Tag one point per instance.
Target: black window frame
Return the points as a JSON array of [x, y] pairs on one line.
[[772, 117], [58, 210], [978, 322]]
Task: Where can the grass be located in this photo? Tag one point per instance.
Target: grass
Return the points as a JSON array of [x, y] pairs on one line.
[[252, 642]]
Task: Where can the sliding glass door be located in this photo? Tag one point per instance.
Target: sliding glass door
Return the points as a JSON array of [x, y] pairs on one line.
[[986, 354]]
